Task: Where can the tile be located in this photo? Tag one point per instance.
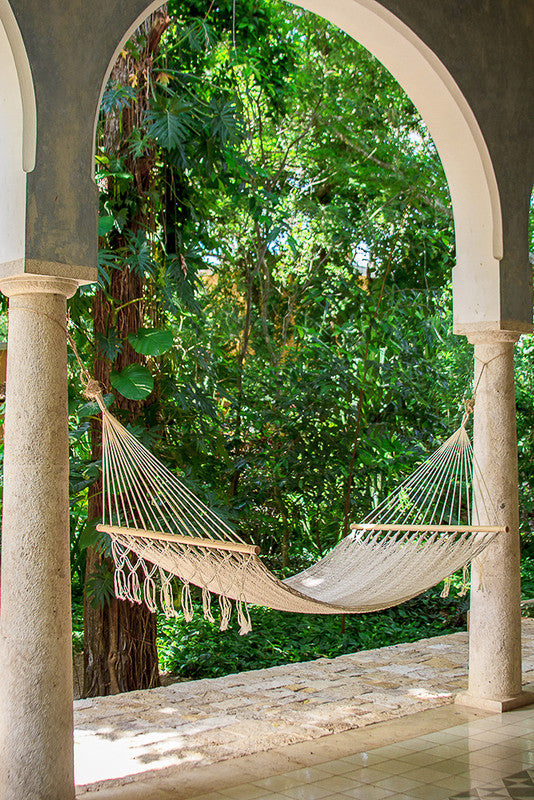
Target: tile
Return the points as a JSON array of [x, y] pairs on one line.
[[338, 783], [405, 797], [307, 774], [312, 791], [337, 796], [500, 751], [452, 766], [278, 783], [477, 758], [424, 774], [509, 766], [428, 792], [390, 751], [369, 759], [246, 791], [478, 755], [398, 783], [368, 793], [416, 744], [368, 775], [275, 796], [455, 783], [484, 775], [394, 767], [459, 748], [442, 737], [491, 736], [339, 767], [425, 759]]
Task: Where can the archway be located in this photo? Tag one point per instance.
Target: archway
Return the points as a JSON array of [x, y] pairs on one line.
[[17, 137]]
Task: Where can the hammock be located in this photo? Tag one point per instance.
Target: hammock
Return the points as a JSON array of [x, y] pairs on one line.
[[423, 532]]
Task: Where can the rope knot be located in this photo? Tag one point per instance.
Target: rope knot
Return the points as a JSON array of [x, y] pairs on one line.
[[92, 389], [470, 405], [469, 408]]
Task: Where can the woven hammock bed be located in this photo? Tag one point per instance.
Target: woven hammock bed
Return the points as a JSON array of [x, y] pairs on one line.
[[425, 530]]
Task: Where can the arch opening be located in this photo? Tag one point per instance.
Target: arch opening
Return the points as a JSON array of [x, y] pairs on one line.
[[17, 137], [455, 131]]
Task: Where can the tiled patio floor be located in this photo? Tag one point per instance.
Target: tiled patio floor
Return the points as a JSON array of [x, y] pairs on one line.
[[169, 743], [485, 758]]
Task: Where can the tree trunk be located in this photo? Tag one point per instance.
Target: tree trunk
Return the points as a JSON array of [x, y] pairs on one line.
[[120, 652]]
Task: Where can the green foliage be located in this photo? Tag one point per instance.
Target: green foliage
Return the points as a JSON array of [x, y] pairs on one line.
[[199, 650], [294, 190], [151, 341], [99, 586], [134, 382]]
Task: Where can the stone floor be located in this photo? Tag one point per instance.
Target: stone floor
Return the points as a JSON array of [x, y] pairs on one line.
[[131, 743]]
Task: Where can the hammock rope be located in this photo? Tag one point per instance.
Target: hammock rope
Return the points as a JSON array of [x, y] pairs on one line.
[[430, 526]]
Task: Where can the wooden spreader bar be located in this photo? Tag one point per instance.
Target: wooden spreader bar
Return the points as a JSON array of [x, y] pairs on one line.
[[193, 541], [377, 526]]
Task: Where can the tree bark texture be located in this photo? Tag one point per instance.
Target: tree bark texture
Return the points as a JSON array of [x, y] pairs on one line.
[[120, 652]]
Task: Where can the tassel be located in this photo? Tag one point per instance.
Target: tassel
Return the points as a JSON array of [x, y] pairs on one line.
[[134, 589], [465, 578], [226, 612], [119, 578], [206, 605], [187, 603], [149, 593], [446, 587], [119, 583], [243, 618], [165, 596]]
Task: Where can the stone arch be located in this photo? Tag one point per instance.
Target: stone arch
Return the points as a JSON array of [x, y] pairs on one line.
[[17, 136], [456, 133]]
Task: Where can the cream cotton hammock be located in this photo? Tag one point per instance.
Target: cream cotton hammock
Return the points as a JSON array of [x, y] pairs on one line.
[[418, 536]]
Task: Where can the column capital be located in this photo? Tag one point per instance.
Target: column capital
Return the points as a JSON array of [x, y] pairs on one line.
[[38, 284], [52, 269], [493, 337]]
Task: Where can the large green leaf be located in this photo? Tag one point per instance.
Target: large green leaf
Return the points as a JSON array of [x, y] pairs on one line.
[[151, 341], [134, 382], [171, 123]]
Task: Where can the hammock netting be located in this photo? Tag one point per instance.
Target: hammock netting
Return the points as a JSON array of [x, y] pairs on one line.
[[433, 524]]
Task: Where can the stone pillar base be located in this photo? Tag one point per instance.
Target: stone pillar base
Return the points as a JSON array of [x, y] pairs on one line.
[[497, 706]]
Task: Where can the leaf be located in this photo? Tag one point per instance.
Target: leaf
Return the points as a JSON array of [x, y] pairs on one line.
[[92, 408], [105, 225], [116, 97], [171, 124], [110, 345], [89, 537], [99, 586], [134, 382], [106, 262], [224, 124], [138, 257], [151, 341]]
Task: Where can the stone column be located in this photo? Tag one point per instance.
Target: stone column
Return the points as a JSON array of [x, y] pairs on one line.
[[36, 718], [495, 616]]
